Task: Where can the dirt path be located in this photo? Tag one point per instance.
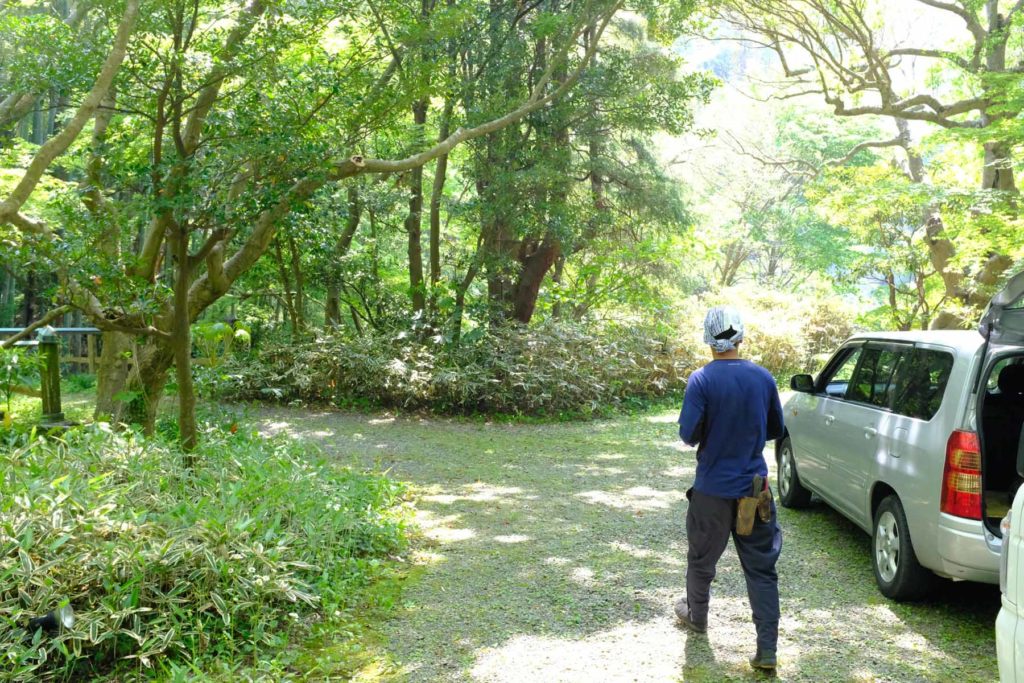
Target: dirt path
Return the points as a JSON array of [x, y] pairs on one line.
[[556, 552]]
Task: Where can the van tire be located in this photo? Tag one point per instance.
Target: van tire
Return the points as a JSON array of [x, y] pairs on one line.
[[792, 493], [899, 575]]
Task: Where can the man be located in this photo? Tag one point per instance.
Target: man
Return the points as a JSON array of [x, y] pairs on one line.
[[730, 409]]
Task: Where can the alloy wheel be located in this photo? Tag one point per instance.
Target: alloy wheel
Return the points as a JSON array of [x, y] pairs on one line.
[[786, 467], [887, 546]]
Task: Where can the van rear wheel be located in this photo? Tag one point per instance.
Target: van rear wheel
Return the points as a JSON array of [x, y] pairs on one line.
[[897, 571], [792, 494]]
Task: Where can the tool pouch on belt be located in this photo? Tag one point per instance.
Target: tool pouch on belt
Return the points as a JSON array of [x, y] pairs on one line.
[[746, 508], [758, 503], [764, 505]]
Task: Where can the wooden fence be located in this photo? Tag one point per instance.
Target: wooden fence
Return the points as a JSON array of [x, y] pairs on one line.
[[82, 347]]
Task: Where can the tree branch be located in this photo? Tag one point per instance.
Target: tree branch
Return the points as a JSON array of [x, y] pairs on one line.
[[42, 322], [871, 144], [358, 164], [56, 145]]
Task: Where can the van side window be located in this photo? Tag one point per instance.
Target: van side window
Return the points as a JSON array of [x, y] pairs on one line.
[[922, 383], [872, 381], [837, 382]]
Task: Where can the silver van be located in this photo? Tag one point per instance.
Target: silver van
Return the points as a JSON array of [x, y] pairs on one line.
[[914, 436]]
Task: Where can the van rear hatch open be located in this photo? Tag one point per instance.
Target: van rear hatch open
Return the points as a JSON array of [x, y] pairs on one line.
[[1000, 407]]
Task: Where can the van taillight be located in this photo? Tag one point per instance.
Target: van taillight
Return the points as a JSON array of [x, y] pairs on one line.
[[961, 477]]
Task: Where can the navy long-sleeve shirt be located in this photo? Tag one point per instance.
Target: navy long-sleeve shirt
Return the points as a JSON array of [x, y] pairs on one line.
[[731, 408]]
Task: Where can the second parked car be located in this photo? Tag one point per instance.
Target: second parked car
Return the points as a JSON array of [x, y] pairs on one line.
[[914, 436]]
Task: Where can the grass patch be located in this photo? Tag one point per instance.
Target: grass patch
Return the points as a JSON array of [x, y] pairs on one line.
[[223, 571]]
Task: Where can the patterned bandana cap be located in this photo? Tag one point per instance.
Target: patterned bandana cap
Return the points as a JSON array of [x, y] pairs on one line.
[[723, 328]]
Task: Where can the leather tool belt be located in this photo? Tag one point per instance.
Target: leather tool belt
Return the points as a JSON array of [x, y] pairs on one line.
[[759, 503]]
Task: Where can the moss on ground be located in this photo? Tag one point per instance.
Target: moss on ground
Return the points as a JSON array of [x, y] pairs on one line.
[[554, 552]]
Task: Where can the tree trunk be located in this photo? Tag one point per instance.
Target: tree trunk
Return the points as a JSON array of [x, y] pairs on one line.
[[332, 305], [131, 380], [6, 299], [300, 282], [286, 284], [499, 255], [414, 222], [556, 277], [28, 303], [149, 383], [112, 375], [998, 171], [463, 287], [181, 343], [536, 264], [436, 193], [332, 315]]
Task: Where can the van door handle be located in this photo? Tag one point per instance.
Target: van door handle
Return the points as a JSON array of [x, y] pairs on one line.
[[829, 419], [870, 432]]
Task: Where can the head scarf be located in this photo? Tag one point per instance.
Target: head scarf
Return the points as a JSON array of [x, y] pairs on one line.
[[723, 328]]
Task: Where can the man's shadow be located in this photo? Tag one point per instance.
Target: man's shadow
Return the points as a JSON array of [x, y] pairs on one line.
[[700, 665], [699, 659]]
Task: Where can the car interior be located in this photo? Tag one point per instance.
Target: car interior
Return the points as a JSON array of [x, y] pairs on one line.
[[1002, 438]]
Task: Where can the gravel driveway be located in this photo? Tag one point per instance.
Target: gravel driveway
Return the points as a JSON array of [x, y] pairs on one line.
[[553, 553]]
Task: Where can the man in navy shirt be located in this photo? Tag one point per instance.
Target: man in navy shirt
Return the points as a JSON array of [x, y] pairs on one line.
[[730, 409]]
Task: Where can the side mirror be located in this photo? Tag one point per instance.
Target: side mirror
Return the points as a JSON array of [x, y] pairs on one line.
[[802, 383]]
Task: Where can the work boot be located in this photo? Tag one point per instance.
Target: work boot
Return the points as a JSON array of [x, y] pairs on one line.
[[683, 614], [764, 660]]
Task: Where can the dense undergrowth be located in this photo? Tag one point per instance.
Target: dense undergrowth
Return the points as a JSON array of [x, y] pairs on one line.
[[551, 369], [555, 369], [173, 572]]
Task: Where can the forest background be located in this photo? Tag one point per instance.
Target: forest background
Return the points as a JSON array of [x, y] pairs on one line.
[[474, 207]]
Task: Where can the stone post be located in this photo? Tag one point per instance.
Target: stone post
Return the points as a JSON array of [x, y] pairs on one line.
[[49, 358]]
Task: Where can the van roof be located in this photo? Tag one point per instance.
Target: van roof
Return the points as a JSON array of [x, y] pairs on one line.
[[966, 340]]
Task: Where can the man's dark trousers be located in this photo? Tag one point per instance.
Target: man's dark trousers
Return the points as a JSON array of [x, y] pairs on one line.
[[709, 521]]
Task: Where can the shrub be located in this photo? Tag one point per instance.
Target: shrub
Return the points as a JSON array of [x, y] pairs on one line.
[[786, 333], [167, 567], [550, 369]]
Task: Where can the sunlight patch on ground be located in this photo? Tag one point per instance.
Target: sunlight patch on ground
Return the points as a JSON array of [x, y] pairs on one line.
[[598, 471], [477, 493], [381, 421], [449, 535], [610, 456], [557, 561], [646, 553], [630, 652], [679, 446], [664, 418], [637, 499], [582, 575], [442, 529], [513, 538], [678, 472], [424, 557]]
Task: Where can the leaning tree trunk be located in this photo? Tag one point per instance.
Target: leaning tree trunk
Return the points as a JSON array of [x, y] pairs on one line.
[[536, 264]]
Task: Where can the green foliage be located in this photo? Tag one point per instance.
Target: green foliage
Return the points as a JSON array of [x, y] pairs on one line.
[[17, 368], [551, 369], [166, 568], [216, 340]]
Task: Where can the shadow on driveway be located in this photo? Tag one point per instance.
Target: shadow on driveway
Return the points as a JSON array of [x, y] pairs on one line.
[[555, 552]]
